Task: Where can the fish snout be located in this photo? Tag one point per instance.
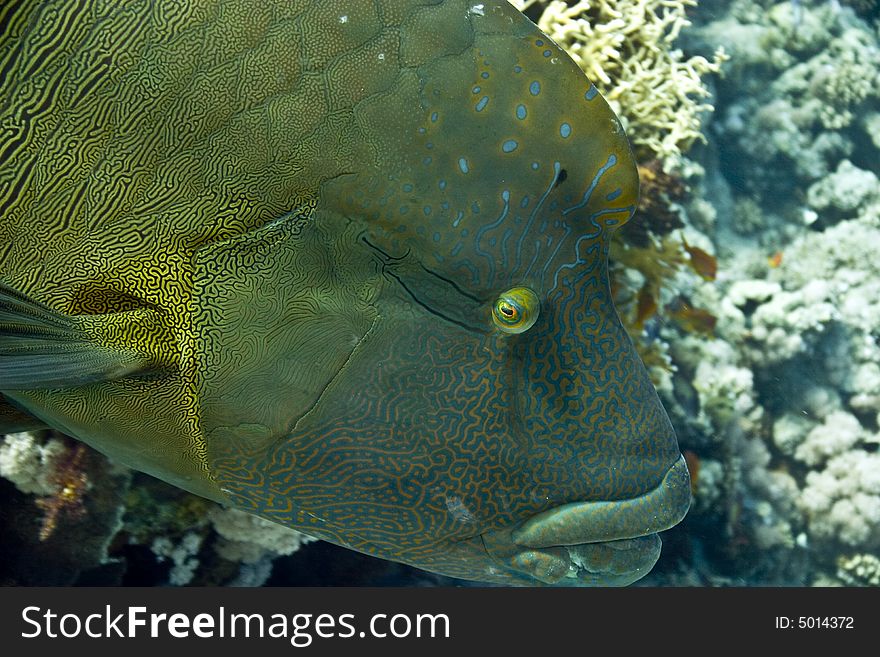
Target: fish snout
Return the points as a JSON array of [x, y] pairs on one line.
[[598, 543]]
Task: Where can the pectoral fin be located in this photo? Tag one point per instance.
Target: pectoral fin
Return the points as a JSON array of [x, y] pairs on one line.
[[42, 348]]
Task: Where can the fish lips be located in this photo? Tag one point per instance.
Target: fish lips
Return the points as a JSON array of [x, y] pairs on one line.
[[595, 543]]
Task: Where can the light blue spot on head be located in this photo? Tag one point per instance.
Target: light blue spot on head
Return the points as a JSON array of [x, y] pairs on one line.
[[521, 112], [547, 53], [535, 166], [463, 165], [429, 145], [517, 69], [509, 146], [591, 93], [613, 195], [484, 74], [535, 88], [422, 131], [407, 187], [427, 210], [404, 209], [475, 207], [445, 205], [427, 160], [565, 130], [524, 203], [538, 42], [505, 195], [436, 237], [476, 90], [482, 104], [442, 185], [434, 117]]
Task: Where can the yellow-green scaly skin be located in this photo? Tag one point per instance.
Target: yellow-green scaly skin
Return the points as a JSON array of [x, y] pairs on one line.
[[301, 212]]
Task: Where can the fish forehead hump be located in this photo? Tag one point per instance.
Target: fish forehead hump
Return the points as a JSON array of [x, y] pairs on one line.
[[507, 165]]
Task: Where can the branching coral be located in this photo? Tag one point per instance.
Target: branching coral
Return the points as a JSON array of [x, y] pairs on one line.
[[859, 570], [842, 502], [249, 538], [70, 483], [626, 48], [802, 87], [833, 84], [30, 463], [183, 556], [52, 469]]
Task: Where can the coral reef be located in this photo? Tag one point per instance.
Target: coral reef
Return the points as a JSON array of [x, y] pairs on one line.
[[72, 517], [29, 463], [803, 80], [859, 570], [183, 556], [249, 539], [784, 403], [60, 517]]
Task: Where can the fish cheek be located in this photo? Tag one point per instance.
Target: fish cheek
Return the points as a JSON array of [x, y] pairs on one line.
[[396, 455], [277, 314]]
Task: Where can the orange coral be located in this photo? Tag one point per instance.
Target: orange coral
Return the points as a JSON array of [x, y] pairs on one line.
[[71, 484]]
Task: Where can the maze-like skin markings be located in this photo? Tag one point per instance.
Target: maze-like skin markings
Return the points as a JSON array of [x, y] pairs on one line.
[[300, 213]]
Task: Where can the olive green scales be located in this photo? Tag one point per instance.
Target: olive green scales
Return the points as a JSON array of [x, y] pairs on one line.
[[339, 264]]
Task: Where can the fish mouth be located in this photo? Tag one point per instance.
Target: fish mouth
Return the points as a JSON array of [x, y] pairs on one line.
[[597, 543]]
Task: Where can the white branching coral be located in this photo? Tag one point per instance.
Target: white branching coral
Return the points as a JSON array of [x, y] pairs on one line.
[[859, 570], [842, 502], [29, 463], [838, 434], [837, 80], [183, 556], [626, 47], [249, 538]]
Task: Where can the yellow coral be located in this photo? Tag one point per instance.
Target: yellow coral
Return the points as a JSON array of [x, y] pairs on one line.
[[625, 48]]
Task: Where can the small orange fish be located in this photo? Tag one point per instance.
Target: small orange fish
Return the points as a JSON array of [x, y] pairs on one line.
[[646, 306], [704, 264], [775, 260], [693, 320]]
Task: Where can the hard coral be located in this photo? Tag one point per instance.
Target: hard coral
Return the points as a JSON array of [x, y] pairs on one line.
[[842, 501]]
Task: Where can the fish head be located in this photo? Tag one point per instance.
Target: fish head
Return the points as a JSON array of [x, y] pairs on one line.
[[490, 419]]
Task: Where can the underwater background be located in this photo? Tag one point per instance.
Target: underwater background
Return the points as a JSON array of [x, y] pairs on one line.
[[749, 281]]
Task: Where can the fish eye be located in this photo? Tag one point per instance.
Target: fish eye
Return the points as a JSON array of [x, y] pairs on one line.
[[516, 310]]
